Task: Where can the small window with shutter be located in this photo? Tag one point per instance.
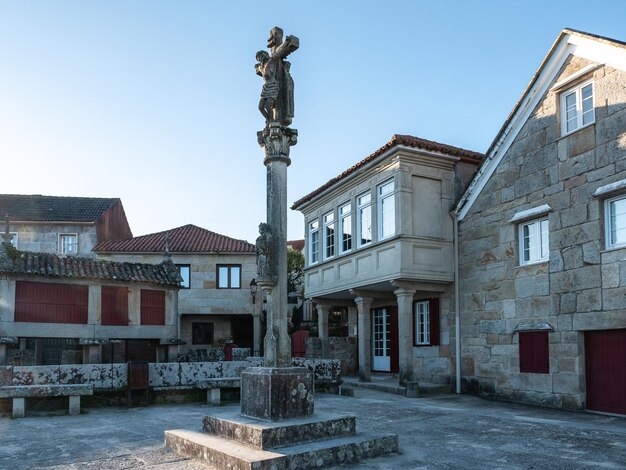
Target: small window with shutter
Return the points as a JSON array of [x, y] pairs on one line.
[[534, 352]]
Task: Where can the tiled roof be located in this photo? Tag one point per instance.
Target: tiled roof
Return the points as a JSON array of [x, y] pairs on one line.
[[29, 263], [406, 140], [23, 207], [296, 245], [185, 239]]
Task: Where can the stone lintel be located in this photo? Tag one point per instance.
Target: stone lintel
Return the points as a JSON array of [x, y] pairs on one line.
[[276, 393], [534, 327], [93, 341]]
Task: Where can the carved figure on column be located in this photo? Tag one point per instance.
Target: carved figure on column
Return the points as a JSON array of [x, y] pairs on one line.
[[263, 253], [276, 103]]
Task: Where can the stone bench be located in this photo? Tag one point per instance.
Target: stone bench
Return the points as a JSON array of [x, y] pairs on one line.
[[19, 393], [213, 388]]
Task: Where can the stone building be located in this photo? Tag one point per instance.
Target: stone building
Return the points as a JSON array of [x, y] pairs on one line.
[[215, 302], [379, 246], [542, 238], [67, 309], [63, 225]]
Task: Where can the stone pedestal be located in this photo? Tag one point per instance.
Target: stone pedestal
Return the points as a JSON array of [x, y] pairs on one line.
[[276, 393]]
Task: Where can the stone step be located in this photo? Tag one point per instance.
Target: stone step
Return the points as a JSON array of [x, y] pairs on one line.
[[428, 388], [381, 387], [230, 424], [224, 453]]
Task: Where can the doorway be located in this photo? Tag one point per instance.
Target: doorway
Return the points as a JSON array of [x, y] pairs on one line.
[[385, 339]]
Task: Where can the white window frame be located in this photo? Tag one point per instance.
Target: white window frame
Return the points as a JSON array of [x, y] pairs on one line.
[[607, 222], [383, 199], [577, 92], [62, 236], [359, 210], [345, 220], [421, 311], [313, 228], [539, 241], [329, 224]]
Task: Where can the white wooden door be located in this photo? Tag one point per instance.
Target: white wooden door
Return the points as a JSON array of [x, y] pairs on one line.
[[381, 340]]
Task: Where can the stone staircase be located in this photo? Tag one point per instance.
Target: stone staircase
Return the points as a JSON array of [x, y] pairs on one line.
[[232, 441], [389, 384]]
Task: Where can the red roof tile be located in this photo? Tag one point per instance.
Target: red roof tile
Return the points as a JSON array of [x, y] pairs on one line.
[[35, 207], [397, 139], [185, 239]]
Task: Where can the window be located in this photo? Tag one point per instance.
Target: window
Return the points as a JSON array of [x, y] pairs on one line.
[[185, 273], [152, 307], [229, 276], [426, 322], [615, 215], [314, 242], [114, 306], [13, 239], [534, 241], [364, 222], [68, 243], [202, 333], [329, 235], [534, 353], [577, 108], [51, 303], [386, 210], [345, 227]]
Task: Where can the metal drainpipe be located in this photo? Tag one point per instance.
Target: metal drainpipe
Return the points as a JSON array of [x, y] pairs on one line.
[[457, 307]]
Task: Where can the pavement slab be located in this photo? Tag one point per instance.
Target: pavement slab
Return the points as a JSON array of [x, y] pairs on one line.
[[442, 432]]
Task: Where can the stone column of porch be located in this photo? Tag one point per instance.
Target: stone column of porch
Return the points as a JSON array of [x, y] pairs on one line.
[[364, 305], [352, 321], [405, 333], [322, 328], [3, 354]]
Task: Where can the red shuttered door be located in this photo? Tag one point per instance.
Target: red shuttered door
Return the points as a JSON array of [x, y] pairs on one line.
[[152, 307], [534, 352], [605, 369], [51, 303]]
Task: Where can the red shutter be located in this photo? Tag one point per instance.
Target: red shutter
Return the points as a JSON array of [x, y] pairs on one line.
[[534, 352], [114, 306], [152, 307], [51, 303], [433, 314]]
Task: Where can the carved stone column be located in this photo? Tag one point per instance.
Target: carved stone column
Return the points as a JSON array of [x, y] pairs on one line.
[[322, 328], [363, 305], [256, 334], [352, 321], [405, 333]]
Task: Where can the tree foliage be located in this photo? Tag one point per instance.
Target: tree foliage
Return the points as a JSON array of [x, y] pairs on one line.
[[295, 271]]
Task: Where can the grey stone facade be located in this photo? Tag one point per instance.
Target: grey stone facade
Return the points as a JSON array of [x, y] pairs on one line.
[[582, 285]]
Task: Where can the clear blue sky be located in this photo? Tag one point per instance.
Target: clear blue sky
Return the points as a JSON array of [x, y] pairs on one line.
[[156, 102]]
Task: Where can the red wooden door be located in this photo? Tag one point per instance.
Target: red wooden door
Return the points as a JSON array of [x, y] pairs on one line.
[[605, 369], [298, 343]]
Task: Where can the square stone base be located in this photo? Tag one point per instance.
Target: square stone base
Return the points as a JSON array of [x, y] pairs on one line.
[[275, 393]]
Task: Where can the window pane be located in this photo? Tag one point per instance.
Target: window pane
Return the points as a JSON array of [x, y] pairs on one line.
[[422, 327], [386, 188], [388, 219], [330, 240], [365, 199], [587, 103], [570, 112], [346, 233], [222, 277], [365, 228], [235, 272], [545, 245], [314, 246], [526, 243], [184, 273], [617, 210]]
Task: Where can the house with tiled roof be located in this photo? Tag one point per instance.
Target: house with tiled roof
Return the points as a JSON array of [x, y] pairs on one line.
[[64, 309], [63, 225], [379, 256], [215, 301]]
